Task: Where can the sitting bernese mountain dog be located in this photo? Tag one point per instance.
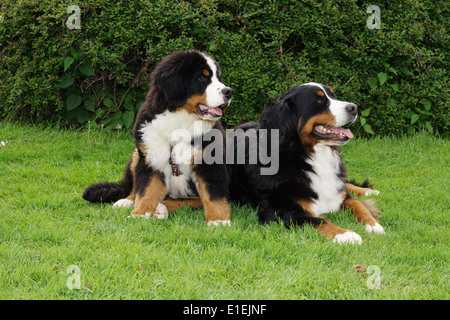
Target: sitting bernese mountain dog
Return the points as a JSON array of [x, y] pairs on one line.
[[187, 96], [311, 180]]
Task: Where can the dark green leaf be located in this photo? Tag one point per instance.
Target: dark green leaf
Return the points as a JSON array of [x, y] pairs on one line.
[[87, 69], [128, 118], [414, 118], [382, 77], [66, 81], [427, 105], [72, 102], [368, 128], [373, 83], [108, 102], [68, 62], [83, 116]]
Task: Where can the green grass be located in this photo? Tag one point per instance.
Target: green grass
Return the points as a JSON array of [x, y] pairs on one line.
[[45, 227]]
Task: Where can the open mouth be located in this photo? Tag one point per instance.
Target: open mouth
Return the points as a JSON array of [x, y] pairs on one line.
[[339, 133], [207, 112]]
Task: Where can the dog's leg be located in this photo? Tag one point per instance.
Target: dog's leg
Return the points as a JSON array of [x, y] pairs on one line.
[[147, 201], [300, 216], [338, 234], [216, 206], [361, 191], [362, 214]]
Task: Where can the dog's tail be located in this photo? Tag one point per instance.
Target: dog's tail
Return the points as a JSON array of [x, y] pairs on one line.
[[371, 206], [111, 191]]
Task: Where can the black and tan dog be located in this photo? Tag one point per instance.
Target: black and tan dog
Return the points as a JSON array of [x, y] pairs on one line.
[[186, 96], [311, 180]]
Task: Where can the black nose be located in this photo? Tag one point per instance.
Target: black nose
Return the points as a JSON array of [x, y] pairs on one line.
[[227, 92], [352, 108]]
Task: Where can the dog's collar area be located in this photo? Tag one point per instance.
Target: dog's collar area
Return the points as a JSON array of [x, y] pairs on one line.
[[175, 168]]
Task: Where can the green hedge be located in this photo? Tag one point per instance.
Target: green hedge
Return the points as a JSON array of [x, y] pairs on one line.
[[398, 74]]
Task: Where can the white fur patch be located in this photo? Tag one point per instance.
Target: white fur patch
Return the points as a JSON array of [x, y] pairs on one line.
[[370, 192], [216, 223], [176, 129], [123, 203], [325, 182], [348, 237], [377, 228], [337, 107], [161, 212], [214, 96]]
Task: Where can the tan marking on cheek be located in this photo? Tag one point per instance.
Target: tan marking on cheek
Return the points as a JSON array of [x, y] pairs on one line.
[[192, 102], [306, 136]]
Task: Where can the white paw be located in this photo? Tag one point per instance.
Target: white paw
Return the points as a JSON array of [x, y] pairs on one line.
[[161, 212], [348, 237], [219, 222], [373, 191], [377, 228], [123, 203]]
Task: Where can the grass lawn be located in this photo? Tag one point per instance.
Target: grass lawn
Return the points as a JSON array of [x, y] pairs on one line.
[[47, 229]]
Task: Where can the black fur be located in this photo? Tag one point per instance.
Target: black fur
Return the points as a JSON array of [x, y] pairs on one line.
[[276, 196], [174, 79], [110, 191]]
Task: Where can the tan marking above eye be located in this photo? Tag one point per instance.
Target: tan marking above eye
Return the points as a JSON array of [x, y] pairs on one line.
[[206, 73], [331, 90], [320, 93]]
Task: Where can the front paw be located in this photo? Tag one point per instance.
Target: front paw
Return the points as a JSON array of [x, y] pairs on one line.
[[372, 191], [350, 237], [376, 228]]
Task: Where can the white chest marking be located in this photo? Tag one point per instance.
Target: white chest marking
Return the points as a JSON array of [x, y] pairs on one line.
[[176, 129], [325, 180]]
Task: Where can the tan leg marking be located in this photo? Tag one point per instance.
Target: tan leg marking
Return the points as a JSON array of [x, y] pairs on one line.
[[155, 191]]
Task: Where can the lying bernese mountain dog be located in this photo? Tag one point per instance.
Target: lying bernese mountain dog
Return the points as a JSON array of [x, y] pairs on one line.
[[311, 180], [186, 96]]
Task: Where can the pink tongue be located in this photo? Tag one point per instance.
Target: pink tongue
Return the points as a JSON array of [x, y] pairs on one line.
[[216, 111], [347, 132]]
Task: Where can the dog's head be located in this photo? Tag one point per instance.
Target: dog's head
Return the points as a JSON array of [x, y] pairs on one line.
[[315, 113], [191, 80]]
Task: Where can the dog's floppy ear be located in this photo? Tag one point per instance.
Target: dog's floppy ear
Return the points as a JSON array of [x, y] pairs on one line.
[[280, 113], [173, 82]]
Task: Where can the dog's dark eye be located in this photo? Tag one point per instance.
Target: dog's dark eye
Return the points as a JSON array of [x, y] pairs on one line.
[[202, 78], [319, 100]]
